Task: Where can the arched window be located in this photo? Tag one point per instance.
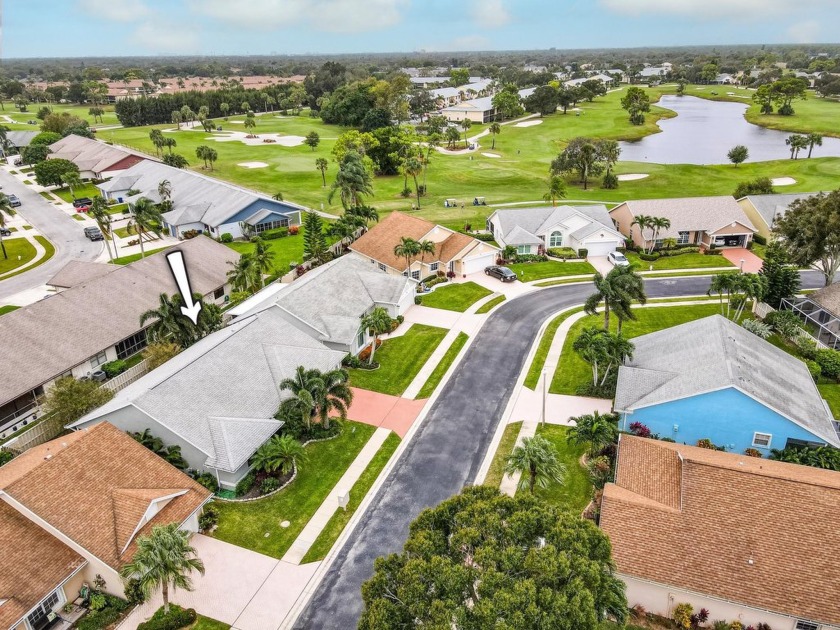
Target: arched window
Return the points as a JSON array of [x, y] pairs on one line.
[[556, 239]]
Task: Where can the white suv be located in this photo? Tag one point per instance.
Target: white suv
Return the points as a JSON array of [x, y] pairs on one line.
[[618, 259]]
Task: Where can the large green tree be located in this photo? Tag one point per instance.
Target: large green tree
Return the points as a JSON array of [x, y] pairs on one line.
[[68, 399], [54, 172], [580, 156], [314, 241], [352, 182], [542, 101], [810, 233], [483, 560], [637, 102], [783, 280]]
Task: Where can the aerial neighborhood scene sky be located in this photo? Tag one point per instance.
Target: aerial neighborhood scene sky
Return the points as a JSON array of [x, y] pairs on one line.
[[390, 314]]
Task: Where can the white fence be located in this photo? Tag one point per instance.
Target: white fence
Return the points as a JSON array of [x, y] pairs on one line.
[[762, 310], [127, 377]]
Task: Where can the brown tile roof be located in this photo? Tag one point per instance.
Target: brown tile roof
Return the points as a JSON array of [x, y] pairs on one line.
[[453, 245], [742, 529], [379, 242], [91, 486], [34, 564]]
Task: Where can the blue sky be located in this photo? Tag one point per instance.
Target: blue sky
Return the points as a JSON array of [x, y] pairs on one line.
[[59, 28]]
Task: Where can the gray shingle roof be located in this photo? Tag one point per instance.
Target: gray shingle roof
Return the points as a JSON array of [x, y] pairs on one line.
[[771, 207], [91, 155], [714, 353], [182, 215], [122, 182], [828, 298], [20, 139], [692, 214], [77, 272], [221, 394], [47, 338], [536, 221]]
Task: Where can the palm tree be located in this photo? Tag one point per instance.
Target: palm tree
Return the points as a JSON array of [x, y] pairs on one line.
[[494, 129], [162, 558], [99, 212], [412, 167], [465, 125], [377, 322], [177, 118], [249, 123], [169, 143], [603, 351], [407, 248], [321, 164], [146, 218], [156, 136], [365, 214], [617, 290], [5, 209], [595, 429], [304, 387], [426, 247], [262, 258], [201, 153], [814, 139], [536, 460], [643, 221], [797, 142], [751, 286], [281, 452], [658, 224], [243, 274], [351, 182], [168, 321], [556, 189], [723, 283], [334, 396]]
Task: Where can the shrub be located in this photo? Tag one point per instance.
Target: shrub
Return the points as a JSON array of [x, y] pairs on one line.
[[814, 368], [114, 368], [227, 237], [529, 258], [610, 181], [758, 328], [562, 252], [649, 257], [418, 299], [485, 237], [639, 429], [351, 361], [177, 618], [133, 592], [467, 227], [807, 347], [436, 280], [707, 443], [209, 481], [294, 229], [786, 323], [682, 616], [759, 239], [97, 601], [829, 362], [100, 619], [188, 234], [429, 278], [245, 484], [752, 452], [600, 471], [270, 235], [450, 274], [679, 251], [364, 355], [713, 252], [269, 484], [208, 519], [583, 253], [400, 319]]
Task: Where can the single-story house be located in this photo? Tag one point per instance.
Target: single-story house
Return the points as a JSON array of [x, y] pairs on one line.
[[748, 539], [217, 399], [95, 159], [702, 221], [329, 302], [454, 251], [533, 230], [16, 140], [478, 110], [201, 203], [820, 312], [93, 319], [603, 78], [764, 210], [654, 71], [713, 379], [72, 509], [725, 78]]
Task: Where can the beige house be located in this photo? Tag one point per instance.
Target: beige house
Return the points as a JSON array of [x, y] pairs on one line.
[[72, 509], [454, 251], [748, 539], [703, 221], [765, 210]]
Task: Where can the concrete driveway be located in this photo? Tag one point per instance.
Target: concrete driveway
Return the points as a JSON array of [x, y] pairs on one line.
[[601, 264]]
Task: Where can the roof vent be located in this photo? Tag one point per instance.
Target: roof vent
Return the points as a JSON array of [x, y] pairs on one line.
[[48, 455]]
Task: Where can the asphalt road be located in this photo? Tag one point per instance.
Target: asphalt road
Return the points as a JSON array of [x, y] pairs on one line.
[[66, 235], [446, 452]]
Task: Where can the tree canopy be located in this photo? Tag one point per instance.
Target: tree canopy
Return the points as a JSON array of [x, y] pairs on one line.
[[810, 233]]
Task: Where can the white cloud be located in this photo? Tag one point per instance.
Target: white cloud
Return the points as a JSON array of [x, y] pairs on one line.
[[754, 9], [158, 37], [337, 16], [115, 10], [489, 13], [806, 32]]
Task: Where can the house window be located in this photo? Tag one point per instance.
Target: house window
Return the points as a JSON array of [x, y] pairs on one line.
[[38, 618], [523, 249], [360, 339], [806, 625], [682, 239], [131, 345], [762, 440], [556, 239], [489, 226], [451, 265], [98, 360], [218, 293], [415, 274], [434, 266], [259, 228]]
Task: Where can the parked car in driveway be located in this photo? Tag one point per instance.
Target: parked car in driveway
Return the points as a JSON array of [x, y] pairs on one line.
[[84, 201], [93, 234], [14, 201], [618, 259], [5, 232], [502, 273]]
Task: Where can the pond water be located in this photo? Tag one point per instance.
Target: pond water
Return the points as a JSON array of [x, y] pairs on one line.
[[704, 131]]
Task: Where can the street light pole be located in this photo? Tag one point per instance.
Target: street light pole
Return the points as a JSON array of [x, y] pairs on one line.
[[544, 394]]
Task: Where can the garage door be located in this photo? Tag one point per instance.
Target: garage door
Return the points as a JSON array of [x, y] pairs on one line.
[[600, 249], [474, 265]]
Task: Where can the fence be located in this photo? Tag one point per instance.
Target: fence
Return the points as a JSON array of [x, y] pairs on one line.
[[44, 431], [126, 378], [762, 310]]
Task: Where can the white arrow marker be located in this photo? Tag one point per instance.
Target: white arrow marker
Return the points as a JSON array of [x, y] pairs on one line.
[[179, 272]]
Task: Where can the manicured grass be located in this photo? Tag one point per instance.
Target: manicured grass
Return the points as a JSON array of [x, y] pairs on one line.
[[8, 309], [122, 232], [541, 354], [286, 250], [576, 490], [27, 182], [125, 260], [20, 118], [489, 306], [685, 274], [572, 371], [496, 472], [88, 190], [554, 283], [456, 297], [759, 250], [205, 623], [830, 391], [439, 371], [400, 359], [326, 539], [47, 195], [16, 247], [78, 217], [551, 269], [246, 524], [684, 261], [49, 252]]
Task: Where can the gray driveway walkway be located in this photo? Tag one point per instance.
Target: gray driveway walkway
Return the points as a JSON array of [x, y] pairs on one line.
[[65, 233], [446, 452]]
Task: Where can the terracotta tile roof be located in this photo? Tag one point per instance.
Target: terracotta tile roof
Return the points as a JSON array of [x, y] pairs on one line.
[[34, 564], [452, 246], [92, 484], [742, 529], [379, 242]]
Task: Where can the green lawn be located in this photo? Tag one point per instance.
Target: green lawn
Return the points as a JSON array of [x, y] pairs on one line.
[[125, 260], [496, 472], [541, 354], [684, 261], [554, 283], [326, 539], [20, 118], [576, 490], [49, 252], [400, 359], [88, 190], [8, 309], [489, 306], [456, 297], [551, 269], [572, 371], [16, 248], [286, 250], [246, 524], [122, 232], [205, 623], [437, 375], [685, 274]]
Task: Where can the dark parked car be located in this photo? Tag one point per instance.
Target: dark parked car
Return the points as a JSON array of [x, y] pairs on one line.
[[93, 234], [14, 201], [5, 232], [502, 273], [84, 201]]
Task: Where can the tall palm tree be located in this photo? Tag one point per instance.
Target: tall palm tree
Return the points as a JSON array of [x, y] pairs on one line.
[[163, 558], [407, 248], [596, 430], [321, 164], [751, 286], [658, 224], [643, 222], [412, 167], [156, 136], [617, 290], [556, 189], [164, 190], [536, 459], [177, 118], [723, 283], [494, 129], [167, 320], [352, 182], [334, 396], [304, 388], [262, 258], [5, 210], [365, 214], [146, 217], [465, 125], [814, 139], [99, 212], [243, 275], [426, 247], [378, 322], [281, 452]]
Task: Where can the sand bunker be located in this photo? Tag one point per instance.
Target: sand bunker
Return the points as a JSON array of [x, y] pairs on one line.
[[253, 164], [783, 181], [529, 123], [629, 177], [260, 139], [491, 155]]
